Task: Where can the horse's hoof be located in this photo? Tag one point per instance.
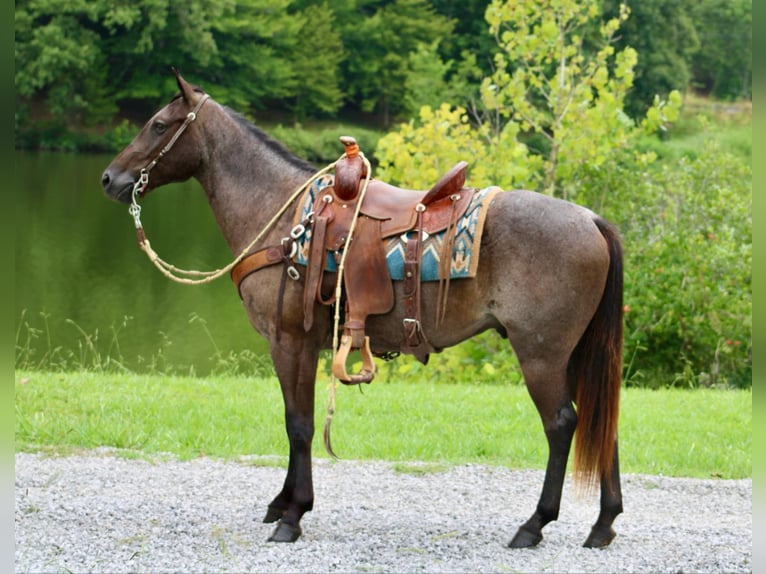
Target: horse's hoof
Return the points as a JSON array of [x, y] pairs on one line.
[[600, 538], [285, 533], [525, 539], [272, 515]]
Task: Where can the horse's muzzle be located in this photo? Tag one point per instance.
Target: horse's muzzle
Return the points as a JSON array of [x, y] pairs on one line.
[[118, 185]]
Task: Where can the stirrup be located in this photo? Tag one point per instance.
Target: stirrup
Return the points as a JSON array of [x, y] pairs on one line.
[[339, 362]]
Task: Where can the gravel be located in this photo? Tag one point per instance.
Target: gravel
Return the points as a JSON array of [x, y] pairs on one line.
[[100, 512]]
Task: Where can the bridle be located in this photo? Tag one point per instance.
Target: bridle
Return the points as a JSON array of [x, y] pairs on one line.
[[143, 179], [247, 261]]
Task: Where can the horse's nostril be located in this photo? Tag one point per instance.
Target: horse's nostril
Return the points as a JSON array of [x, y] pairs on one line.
[[105, 179]]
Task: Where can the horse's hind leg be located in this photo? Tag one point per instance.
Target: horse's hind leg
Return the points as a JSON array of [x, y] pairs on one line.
[[547, 387], [602, 532]]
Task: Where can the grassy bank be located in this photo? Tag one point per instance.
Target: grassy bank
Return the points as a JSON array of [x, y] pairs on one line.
[[704, 433]]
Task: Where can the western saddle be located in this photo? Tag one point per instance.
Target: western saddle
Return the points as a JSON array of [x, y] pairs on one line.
[[386, 211]]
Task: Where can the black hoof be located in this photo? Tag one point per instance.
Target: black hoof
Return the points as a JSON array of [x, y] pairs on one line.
[[272, 515], [285, 533], [525, 539], [600, 538]]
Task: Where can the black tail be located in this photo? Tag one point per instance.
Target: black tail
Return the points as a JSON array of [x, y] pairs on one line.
[[595, 369]]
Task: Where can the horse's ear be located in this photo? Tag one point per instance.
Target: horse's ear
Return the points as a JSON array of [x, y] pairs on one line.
[[186, 89]]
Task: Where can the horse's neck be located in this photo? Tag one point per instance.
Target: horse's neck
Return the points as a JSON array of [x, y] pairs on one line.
[[247, 182]]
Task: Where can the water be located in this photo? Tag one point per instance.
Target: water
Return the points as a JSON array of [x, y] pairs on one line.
[[85, 292]]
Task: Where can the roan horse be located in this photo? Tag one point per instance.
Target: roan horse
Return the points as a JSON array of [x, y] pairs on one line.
[[549, 279]]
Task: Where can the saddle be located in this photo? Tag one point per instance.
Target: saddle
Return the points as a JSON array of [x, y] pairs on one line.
[[385, 211]]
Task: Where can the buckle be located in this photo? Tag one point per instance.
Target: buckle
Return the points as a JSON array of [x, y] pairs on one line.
[[405, 239], [298, 231], [293, 247]]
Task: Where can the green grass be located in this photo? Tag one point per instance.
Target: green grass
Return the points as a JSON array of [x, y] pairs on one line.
[[728, 123], [734, 139], [700, 433]]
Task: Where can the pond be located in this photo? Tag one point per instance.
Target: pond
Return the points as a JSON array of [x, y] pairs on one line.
[[86, 295]]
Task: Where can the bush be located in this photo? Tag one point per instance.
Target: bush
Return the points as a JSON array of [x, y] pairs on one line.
[[687, 231]]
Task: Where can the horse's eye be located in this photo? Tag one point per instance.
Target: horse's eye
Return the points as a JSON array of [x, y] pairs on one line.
[[159, 127]]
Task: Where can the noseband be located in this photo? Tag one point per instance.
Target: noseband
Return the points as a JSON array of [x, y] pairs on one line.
[[143, 179]]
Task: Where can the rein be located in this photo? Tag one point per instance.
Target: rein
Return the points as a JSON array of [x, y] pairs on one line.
[[169, 270]]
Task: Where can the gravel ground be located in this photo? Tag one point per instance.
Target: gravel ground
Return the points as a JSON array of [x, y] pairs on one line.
[[103, 513]]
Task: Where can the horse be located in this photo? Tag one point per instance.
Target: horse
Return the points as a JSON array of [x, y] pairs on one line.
[[549, 280]]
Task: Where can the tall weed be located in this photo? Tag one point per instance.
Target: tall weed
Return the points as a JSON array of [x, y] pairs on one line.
[[91, 352]]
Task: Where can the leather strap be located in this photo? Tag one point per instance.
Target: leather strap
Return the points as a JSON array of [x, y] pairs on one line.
[[314, 270], [256, 261], [414, 337], [445, 262]]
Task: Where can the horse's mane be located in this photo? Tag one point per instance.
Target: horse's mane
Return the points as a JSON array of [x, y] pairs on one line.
[[277, 147]]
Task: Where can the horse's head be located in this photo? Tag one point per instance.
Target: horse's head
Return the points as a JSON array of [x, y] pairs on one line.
[[171, 128]]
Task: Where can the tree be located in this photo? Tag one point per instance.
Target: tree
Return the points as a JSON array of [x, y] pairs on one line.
[[557, 75], [426, 80], [563, 80], [663, 33], [723, 64], [253, 63], [316, 62], [379, 38], [417, 155], [57, 53], [83, 55], [470, 34]]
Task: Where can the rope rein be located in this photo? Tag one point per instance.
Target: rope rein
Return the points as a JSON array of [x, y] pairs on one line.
[[338, 289], [196, 277], [175, 273]]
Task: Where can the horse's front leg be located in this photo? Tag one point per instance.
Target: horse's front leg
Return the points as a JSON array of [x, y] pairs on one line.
[[295, 360]]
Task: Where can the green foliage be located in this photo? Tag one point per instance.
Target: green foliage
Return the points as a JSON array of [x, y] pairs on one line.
[[561, 80], [547, 83], [253, 64], [665, 36], [316, 61], [486, 360], [58, 59], [686, 225], [688, 239], [420, 154], [470, 38], [118, 137], [426, 83], [81, 62], [723, 64], [379, 46], [320, 144]]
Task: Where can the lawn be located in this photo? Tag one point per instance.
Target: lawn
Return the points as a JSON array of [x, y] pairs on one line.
[[692, 433]]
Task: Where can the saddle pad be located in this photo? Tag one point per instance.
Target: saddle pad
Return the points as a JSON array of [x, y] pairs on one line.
[[465, 252]]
